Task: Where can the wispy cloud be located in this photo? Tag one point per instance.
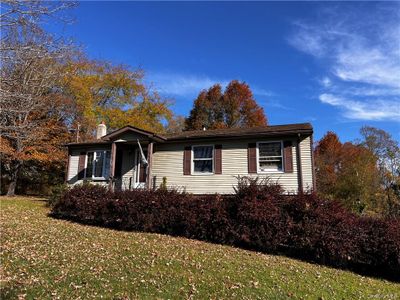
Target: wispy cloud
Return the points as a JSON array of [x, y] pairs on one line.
[[262, 92], [369, 65], [361, 50], [326, 82], [176, 84], [182, 85], [376, 110]]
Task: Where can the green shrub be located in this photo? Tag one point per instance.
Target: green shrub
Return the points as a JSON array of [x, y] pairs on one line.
[[56, 193]]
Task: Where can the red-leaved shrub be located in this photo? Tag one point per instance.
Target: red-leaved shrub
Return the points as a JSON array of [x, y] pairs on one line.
[[258, 216]]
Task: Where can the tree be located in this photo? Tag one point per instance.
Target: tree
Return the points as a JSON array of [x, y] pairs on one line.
[[327, 163], [117, 95], [31, 123], [234, 108], [346, 172], [176, 124], [387, 153], [358, 181]]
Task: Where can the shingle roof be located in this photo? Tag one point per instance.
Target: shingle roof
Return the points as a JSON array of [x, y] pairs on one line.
[[289, 129]]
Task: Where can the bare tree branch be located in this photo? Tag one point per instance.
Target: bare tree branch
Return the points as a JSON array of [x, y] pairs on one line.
[[30, 68]]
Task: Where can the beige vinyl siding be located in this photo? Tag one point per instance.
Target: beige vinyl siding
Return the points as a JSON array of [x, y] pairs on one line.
[[168, 162], [73, 166], [306, 163]]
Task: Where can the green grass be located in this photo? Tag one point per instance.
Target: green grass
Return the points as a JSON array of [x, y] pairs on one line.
[[44, 258]]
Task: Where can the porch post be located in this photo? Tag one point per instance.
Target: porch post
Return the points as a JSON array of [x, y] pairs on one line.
[[149, 165], [112, 166], [67, 168]]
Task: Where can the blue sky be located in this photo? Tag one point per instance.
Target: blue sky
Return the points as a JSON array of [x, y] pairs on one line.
[[335, 64]]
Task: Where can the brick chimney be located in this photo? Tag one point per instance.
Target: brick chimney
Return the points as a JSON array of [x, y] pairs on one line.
[[101, 130]]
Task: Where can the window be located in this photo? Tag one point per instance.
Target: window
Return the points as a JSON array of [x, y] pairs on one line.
[[203, 159], [98, 164], [270, 157]]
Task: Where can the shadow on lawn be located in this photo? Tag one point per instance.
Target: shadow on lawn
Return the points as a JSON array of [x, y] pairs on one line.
[[11, 291], [360, 269]]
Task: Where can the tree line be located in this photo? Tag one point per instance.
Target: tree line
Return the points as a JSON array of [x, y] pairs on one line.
[[51, 93], [364, 175]]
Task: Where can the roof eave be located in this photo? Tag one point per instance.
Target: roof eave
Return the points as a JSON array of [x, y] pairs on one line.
[[149, 134], [250, 135], [88, 143]]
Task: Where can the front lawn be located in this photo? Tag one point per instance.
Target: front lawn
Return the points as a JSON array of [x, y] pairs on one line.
[[44, 258]]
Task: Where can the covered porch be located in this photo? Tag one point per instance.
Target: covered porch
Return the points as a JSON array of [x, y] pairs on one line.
[[122, 159], [131, 158], [130, 169]]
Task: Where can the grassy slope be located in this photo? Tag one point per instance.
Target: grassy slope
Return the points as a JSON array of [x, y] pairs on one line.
[[47, 258]]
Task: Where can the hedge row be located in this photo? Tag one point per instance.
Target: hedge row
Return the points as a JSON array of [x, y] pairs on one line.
[[257, 217]]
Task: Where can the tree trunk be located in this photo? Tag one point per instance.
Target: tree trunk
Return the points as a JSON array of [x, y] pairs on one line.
[[14, 179], [11, 188]]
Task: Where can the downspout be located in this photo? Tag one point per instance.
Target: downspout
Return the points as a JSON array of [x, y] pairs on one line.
[[299, 168]]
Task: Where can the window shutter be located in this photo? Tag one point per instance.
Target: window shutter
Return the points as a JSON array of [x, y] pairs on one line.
[[81, 165], [288, 156], [252, 157], [187, 160], [218, 159]]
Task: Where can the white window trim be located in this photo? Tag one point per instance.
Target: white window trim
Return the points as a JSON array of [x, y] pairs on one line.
[[258, 155], [212, 159], [94, 158]]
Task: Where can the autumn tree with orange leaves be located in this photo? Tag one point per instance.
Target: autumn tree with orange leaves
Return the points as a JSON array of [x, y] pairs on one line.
[[31, 121], [327, 163], [347, 172], [114, 94], [235, 107]]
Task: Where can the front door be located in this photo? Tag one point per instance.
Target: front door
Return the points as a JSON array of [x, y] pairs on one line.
[[140, 170]]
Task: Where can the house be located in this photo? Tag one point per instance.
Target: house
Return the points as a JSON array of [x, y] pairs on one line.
[[201, 162]]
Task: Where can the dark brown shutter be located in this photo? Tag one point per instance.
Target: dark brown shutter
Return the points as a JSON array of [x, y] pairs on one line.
[[81, 165], [187, 160], [252, 157], [288, 156], [218, 159]]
